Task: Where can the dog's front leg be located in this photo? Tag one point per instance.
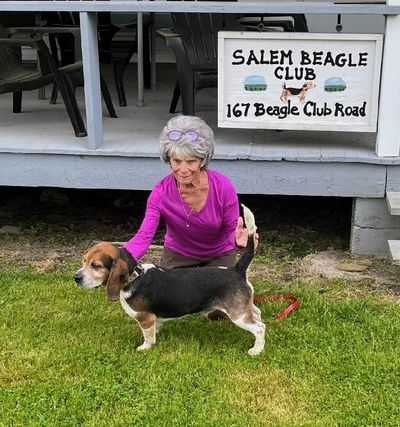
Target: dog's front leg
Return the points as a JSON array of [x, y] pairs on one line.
[[149, 338], [148, 327]]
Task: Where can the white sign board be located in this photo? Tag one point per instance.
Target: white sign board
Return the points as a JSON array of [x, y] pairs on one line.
[[299, 81]]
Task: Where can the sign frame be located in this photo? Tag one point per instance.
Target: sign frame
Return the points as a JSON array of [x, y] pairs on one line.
[[225, 40]]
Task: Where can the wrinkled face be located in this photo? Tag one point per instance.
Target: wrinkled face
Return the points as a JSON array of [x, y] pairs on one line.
[[185, 169], [96, 265]]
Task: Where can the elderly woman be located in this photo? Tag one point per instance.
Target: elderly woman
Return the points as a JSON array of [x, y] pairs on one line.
[[199, 205]]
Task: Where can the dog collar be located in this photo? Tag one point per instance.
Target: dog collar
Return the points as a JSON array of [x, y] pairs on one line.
[[138, 271]]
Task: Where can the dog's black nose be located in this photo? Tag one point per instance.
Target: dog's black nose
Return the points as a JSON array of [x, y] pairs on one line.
[[78, 278]]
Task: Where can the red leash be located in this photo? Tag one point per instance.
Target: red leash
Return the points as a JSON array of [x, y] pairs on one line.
[[284, 313]]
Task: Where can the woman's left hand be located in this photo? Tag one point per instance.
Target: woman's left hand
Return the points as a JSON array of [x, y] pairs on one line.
[[241, 234]]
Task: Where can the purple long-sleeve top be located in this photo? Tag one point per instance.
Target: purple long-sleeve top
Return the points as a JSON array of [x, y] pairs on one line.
[[211, 231]]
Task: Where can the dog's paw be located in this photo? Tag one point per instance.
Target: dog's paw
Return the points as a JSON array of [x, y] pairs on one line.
[[144, 346], [255, 351]]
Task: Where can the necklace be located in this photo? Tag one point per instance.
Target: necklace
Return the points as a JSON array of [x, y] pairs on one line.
[[188, 215]]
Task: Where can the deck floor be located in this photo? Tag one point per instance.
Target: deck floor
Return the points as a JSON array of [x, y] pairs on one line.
[[45, 129]]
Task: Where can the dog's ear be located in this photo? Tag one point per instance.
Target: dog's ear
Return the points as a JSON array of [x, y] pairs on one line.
[[119, 274]]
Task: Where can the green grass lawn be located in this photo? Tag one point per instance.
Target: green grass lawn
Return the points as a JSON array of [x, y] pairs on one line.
[[68, 359]]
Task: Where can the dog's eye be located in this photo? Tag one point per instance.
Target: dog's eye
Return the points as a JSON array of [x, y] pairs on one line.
[[96, 266]]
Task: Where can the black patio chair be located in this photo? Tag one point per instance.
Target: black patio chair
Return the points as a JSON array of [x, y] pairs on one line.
[[116, 45], [15, 77], [194, 41]]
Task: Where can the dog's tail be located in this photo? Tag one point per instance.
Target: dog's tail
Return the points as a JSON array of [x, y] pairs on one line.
[[243, 264]]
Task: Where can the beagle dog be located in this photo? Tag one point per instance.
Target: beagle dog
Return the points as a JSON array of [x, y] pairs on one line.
[[294, 91], [151, 294]]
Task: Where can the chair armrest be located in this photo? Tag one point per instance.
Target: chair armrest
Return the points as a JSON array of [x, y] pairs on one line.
[[29, 41], [166, 33], [73, 29]]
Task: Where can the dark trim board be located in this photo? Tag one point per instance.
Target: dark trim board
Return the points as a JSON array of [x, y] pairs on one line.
[[332, 179]]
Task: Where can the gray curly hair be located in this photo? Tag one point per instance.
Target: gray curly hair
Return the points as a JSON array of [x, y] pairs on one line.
[[202, 148]]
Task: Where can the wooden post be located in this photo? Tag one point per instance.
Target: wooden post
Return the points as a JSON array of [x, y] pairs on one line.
[[91, 73], [388, 136], [140, 59]]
